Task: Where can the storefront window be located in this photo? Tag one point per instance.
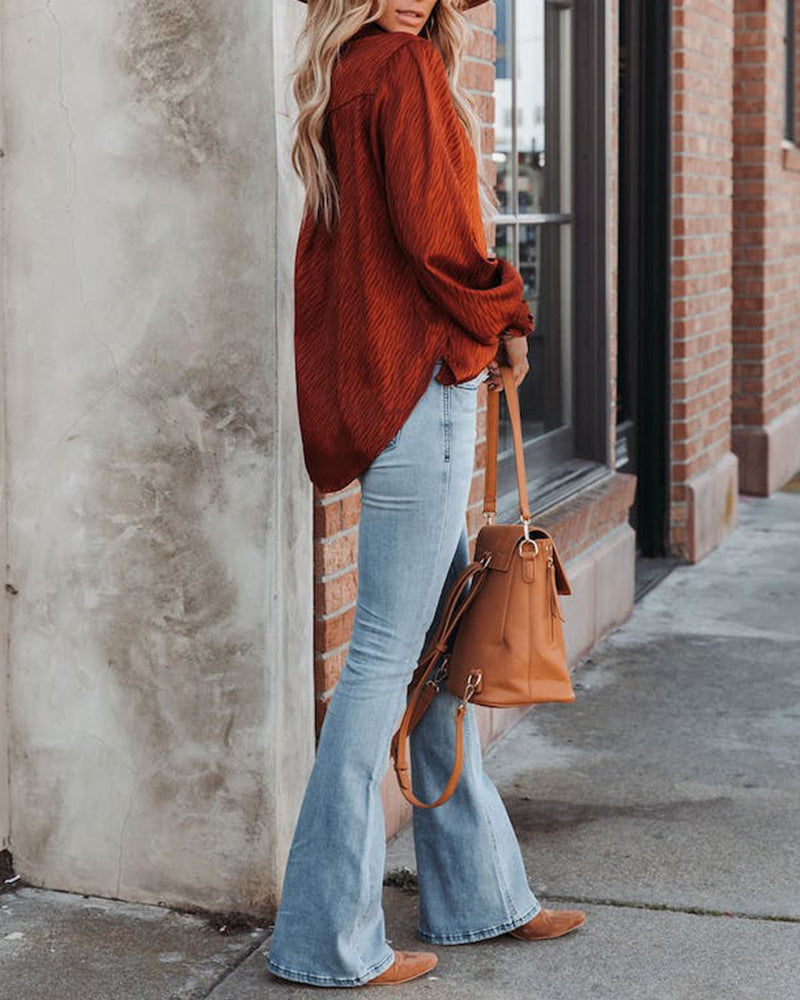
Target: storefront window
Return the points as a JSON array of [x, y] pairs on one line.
[[534, 160], [790, 53]]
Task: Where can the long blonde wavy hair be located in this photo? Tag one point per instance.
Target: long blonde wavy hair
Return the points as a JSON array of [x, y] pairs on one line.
[[328, 25]]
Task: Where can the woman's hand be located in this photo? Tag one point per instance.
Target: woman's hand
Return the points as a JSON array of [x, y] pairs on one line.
[[512, 351]]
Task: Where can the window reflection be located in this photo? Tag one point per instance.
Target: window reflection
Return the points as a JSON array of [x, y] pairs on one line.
[[530, 116], [503, 90], [533, 113]]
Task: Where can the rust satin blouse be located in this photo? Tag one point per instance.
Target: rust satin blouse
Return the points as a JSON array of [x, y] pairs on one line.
[[404, 277]]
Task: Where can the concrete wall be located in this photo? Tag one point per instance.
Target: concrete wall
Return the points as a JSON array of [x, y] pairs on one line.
[[159, 515], [5, 805]]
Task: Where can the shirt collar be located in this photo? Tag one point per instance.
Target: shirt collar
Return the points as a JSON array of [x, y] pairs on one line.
[[370, 28]]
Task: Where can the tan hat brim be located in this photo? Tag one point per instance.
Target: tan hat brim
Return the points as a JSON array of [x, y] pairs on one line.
[[467, 4]]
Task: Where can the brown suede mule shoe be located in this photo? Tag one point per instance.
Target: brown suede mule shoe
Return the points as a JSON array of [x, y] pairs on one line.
[[549, 924], [407, 965]]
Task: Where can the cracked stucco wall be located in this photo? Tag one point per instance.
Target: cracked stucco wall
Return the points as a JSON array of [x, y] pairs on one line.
[[5, 803], [158, 509]]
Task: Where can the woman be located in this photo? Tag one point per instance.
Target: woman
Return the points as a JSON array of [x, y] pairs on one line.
[[399, 316]]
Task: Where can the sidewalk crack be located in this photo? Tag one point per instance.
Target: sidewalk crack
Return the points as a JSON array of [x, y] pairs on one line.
[[702, 911]]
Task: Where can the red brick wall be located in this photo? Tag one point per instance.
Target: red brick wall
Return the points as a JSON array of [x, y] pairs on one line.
[[702, 81], [766, 267], [335, 583]]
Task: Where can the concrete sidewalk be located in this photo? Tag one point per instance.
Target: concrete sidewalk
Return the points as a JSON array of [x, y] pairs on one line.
[[665, 801]]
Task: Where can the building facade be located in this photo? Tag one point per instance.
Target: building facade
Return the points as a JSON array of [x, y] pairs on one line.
[[178, 598]]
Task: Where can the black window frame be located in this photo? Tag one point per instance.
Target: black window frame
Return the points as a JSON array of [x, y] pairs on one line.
[[552, 473], [790, 74]]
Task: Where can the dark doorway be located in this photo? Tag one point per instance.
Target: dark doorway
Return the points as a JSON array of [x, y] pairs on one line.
[[644, 267]]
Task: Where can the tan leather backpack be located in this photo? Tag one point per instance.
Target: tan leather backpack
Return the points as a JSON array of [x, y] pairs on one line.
[[499, 641]]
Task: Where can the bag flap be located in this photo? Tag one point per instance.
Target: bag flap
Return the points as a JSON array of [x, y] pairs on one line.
[[502, 540], [562, 583]]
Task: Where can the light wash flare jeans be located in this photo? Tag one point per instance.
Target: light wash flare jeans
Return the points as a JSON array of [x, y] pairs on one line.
[[412, 542]]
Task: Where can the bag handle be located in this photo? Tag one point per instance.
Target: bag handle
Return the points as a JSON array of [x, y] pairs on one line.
[[492, 435], [425, 687]]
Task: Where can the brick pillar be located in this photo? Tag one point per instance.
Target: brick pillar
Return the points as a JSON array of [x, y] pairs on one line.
[[766, 263], [703, 469]]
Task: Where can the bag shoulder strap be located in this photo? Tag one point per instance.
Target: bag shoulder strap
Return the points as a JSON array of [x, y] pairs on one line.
[[492, 435]]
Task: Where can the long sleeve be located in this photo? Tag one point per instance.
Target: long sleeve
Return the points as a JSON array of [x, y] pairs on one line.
[[431, 184]]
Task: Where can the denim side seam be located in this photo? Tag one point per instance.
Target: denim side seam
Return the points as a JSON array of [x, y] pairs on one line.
[[447, 420], [314, 980], [465, 936], [427, 597], [471, 720], [374, 780], [479, 935]]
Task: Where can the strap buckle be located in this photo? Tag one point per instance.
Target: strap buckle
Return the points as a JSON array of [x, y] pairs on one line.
[[473, 680], [441, 674], [526, 529]]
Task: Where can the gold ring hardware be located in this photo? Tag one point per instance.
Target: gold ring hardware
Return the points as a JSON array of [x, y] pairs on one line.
[[441, 674], [489, 516], [526, 522], [473, 679]]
